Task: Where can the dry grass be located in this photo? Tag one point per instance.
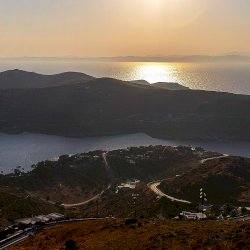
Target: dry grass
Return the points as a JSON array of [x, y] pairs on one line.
[[115, 234], [64, 194]]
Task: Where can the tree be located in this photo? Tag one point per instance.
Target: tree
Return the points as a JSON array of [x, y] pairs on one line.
[[70, 245], [243, 210], [17, 171]]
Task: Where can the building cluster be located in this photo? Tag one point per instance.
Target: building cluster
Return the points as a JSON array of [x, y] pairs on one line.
[[40, 219], [191, 216], [86, 156], [128, 185], [230, 211], [27, 225]]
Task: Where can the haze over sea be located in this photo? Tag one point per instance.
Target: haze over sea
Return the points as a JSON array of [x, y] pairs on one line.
[[231, 77]]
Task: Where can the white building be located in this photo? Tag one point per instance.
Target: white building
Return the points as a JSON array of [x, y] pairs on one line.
[[192, 216]]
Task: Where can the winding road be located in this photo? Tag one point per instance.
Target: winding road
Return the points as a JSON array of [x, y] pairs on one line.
[[213, 158], [153, 186], [83, 202], [110, 175]]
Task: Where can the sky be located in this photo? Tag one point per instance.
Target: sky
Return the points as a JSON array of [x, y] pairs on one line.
[[94, 28]]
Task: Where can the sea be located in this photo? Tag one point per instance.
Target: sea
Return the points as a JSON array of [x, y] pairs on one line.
[[233, 77], [27, 148]]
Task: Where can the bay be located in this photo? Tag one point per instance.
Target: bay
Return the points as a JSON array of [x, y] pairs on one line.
[[26, 149]]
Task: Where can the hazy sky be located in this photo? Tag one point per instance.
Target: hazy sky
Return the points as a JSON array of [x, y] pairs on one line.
[[123, 27]]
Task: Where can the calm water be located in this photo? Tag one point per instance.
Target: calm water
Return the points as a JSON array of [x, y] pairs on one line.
[[26, 149], [229, 77]]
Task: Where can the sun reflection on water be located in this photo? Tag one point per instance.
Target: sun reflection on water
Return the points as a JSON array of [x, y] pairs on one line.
[[155, 72]]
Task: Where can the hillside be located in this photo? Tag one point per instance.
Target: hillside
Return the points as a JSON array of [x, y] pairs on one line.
[[224, 180], [102, 184], [117, 234], [12, 79], [162, 85], [20, 79], [78, 178], [107, 106], [16, 205], [170, 86], [70, 179]]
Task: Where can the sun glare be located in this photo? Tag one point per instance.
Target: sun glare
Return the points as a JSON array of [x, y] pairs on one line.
[[156, 72]]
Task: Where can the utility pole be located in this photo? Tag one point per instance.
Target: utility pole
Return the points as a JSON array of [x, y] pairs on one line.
[[135, 196], [203, 198], [97, 209]]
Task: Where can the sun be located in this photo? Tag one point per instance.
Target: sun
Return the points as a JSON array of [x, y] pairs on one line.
[[155, 3]]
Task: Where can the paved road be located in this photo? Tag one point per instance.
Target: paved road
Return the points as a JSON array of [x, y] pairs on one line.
[[110, 175], [154, 187], [83, 202], [18, 239], [213, 158]]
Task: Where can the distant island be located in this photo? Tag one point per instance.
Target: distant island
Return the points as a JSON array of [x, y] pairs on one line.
[[76, 105], [20, 79], [229, 57]]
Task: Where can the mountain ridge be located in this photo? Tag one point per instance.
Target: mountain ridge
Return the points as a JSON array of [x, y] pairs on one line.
[[23, 79], [107, 106], [12, 79]]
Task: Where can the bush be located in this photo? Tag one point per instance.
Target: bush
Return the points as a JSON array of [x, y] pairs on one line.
[[70, 245]]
